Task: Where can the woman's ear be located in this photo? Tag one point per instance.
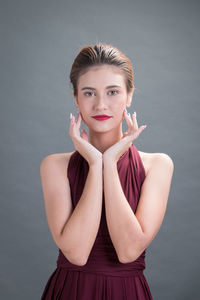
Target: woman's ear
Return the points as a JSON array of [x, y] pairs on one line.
[[128, 103], [75, 99], [129, 98]]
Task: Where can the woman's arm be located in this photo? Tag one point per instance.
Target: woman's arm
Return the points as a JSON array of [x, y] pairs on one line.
[[132, 233], [74, 231]]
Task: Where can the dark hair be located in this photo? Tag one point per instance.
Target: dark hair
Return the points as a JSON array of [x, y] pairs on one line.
[[100, 54]]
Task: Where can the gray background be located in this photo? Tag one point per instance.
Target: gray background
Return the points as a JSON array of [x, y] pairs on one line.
[[39, 40]]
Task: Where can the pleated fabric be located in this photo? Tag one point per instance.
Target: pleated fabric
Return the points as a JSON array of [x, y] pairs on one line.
[[103, 277]]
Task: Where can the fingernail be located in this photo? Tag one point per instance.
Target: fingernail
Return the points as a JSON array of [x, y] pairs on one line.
[[135, 113], [70, 116]]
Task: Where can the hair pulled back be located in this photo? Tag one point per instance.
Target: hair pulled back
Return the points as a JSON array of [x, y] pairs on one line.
[[100, 54]]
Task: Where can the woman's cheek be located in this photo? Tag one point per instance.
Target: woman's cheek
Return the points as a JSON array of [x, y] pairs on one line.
[[86, 119]]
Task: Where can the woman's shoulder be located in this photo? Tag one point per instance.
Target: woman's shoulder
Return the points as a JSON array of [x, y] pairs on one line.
[[149, 159], [60, 158]]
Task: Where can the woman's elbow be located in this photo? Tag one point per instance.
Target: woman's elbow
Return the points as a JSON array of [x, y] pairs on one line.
[[128, 259], [131, 256], [74, 259]]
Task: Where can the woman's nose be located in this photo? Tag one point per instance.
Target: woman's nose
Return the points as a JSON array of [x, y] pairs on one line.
[[101, 102]]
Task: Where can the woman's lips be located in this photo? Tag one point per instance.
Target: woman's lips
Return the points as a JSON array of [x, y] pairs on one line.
[[101, 118]]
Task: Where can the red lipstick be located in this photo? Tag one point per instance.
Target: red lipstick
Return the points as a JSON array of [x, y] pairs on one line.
[[101, 117]]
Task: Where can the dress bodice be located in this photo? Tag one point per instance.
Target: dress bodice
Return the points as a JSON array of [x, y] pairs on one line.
[[103, 257]]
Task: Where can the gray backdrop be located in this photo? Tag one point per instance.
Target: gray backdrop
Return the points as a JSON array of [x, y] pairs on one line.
[[39, 40]]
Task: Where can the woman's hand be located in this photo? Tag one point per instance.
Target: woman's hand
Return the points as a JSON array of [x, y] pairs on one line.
[[117, 150], [81, 143]]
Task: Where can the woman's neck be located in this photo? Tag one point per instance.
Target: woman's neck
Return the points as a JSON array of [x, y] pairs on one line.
[[103, 141]]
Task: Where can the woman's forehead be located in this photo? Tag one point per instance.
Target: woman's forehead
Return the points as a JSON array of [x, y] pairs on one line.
[[104, 74], [104, 68]]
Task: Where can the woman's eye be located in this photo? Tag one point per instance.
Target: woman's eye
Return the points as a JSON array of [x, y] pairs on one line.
[[114, 92], [88, 93]]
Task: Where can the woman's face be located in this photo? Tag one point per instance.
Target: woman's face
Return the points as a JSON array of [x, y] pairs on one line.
[[102, 91]]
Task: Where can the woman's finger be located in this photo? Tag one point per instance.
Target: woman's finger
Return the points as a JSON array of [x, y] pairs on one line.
[[125, 134], [71, 120], [138, 132], [72, 128], [79, 118], [84, 135], [135, 124], [128, 120], [142, 128]]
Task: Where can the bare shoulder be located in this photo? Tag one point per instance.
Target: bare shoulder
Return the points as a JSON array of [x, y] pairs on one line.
[[151, 160], [61, 159]]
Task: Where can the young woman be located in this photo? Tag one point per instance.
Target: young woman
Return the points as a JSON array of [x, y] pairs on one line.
[[105, 202]]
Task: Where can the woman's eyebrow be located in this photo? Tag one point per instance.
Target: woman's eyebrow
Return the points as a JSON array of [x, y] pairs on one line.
[[87, 88], [113, 86], [108, 87]]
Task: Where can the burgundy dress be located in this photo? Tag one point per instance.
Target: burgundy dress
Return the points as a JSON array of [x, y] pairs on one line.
[[103, 277]]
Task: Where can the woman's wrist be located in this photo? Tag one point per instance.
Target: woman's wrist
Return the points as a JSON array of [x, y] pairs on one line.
[[96, 165]]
